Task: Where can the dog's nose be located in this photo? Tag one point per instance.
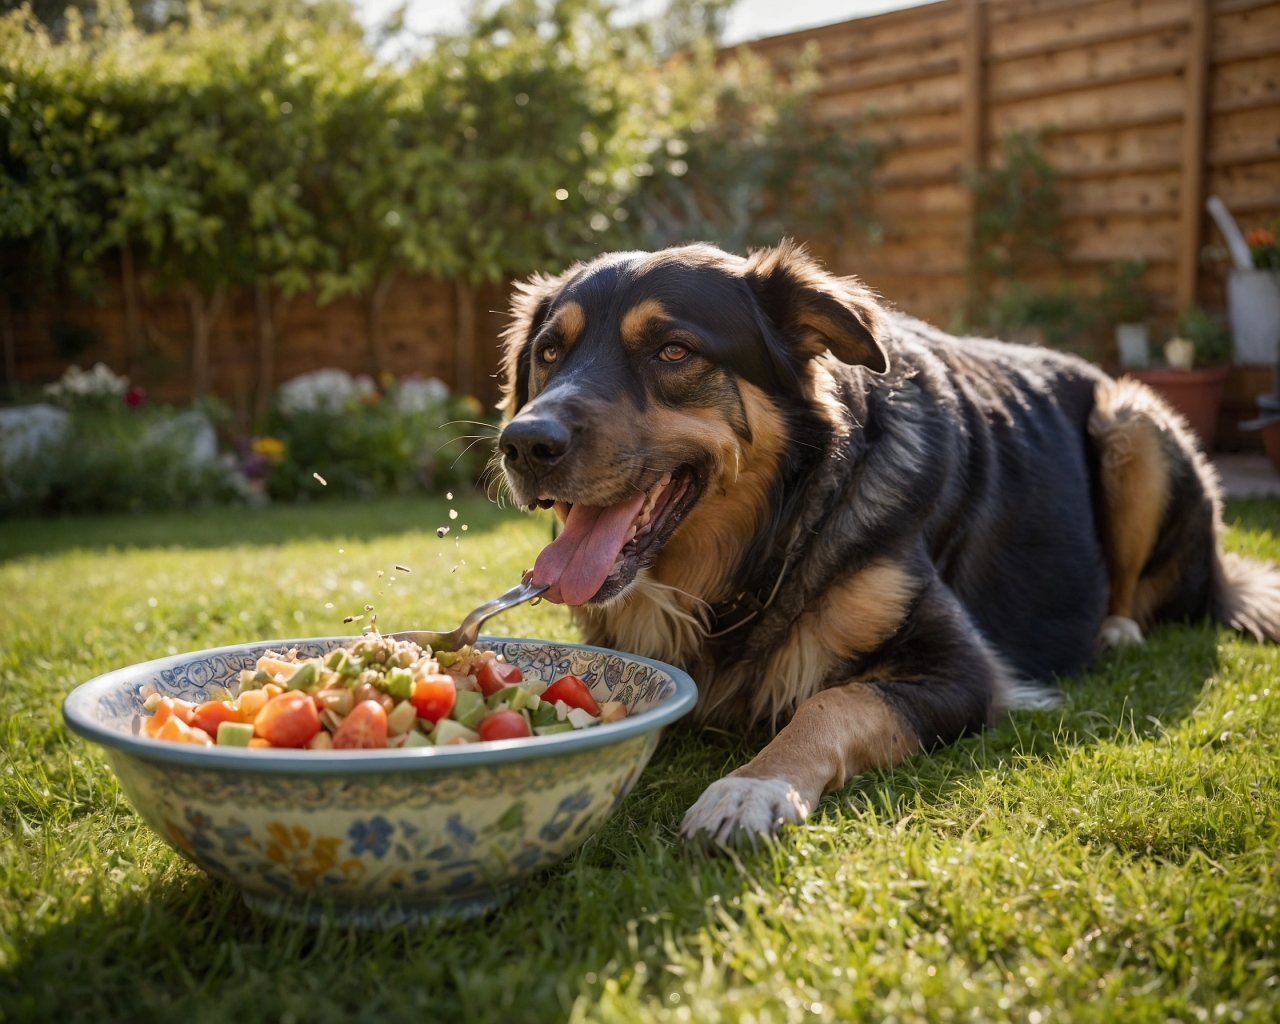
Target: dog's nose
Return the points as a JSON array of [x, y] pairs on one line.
[[538, 443]]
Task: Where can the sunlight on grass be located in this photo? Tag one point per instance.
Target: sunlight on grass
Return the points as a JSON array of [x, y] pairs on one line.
[[1113, 861]]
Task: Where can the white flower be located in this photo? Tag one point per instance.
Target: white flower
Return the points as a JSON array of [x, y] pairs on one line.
[[99, 382], [327, 390], [421, 395], [28, 429]]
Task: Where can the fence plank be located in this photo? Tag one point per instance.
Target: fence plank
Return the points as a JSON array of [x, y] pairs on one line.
[[1191, 215]]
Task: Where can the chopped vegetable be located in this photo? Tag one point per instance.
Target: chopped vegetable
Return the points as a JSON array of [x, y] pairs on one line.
[[573, 691], [364, 729], [235, 734], [373, 693], [504, 725], [288, 720]]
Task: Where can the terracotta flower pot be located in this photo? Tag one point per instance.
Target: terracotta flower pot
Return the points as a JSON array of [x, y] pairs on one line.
[[1197, 394]]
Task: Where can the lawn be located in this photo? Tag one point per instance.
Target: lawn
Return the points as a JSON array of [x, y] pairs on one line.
[[1115, 860]]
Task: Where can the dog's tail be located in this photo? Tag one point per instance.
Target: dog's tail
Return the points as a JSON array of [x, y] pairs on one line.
[[1247, 596]]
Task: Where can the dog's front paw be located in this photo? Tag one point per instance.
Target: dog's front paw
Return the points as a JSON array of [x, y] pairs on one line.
[[1117, 631], [751, 806]]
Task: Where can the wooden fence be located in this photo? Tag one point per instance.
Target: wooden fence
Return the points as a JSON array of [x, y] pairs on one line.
[[1155, 104]]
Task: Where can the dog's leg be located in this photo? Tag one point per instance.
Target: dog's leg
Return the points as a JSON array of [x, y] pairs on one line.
[[1134, 477], [934, 681], [835, 735]]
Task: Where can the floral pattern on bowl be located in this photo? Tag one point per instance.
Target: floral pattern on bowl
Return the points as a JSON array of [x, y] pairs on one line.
[[388, 836]]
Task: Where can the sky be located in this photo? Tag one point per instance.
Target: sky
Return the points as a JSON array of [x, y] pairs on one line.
[[751, 19]]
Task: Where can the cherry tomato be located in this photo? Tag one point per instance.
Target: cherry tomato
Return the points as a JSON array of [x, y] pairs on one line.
[[210, 715], [289, 720], [433, 696], [493, 675], [364, 729], [573, 691], [504, 725]]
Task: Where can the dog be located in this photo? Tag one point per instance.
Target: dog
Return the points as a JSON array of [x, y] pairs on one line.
[[865, 533]]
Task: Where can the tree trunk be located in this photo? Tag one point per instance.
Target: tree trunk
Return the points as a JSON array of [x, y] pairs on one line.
[[203, 316], [10, 353], [464, 343], [132, 321], [377, 299], [270, 321]]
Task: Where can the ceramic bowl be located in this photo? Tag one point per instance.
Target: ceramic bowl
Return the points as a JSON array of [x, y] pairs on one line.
[[378, 838]]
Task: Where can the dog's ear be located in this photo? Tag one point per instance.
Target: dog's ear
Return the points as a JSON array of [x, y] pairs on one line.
[[816, 311], [530, 306]]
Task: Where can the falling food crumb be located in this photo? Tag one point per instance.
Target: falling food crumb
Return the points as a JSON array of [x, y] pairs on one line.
[[328, 604], [353, 618], [449, 496], [368, 607], [379, 572], [464, 526], [462, 561], [442, 531], [323, 481], [401, 568], [483, 567], [453, 513], [341, 551]]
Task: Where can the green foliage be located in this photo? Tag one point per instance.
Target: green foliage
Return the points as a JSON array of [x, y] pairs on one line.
[[1121, 297], [1209, 333], [253, 140], [1114, 861], [741, 160], [1017, 218], [372, 447], [119, 461]]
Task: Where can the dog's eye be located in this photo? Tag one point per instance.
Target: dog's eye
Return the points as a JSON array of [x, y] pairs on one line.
[[673, 353], [549, 354]]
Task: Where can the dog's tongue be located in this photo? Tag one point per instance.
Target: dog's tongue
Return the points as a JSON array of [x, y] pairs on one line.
[[577, 563]]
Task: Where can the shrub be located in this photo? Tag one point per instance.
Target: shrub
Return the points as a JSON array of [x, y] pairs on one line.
[[410, 437]]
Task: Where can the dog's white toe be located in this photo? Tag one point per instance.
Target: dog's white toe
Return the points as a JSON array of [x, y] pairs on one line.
[[751, 806], [1117, 631]]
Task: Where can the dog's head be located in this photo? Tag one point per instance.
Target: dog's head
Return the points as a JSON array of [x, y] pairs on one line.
[[637, 383]]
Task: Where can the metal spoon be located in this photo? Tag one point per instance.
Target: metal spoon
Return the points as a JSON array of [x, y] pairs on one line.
[[466, 633]]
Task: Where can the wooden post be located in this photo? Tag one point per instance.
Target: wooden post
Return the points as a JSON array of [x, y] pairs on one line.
[[465, 339], [203, 317], [132, 322], [10, 352], [266, 347], [377, 299], [1191, 191], [973, 112], [973, 133]]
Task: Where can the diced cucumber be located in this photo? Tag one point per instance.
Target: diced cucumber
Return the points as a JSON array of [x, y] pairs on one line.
[[551, 730], [261, 678], [304, 677], [468, 708], [515, 697], [234, 734], [248, 680], [399, 683], [447, 731], [416, 739], [340, 661], [544, 714]]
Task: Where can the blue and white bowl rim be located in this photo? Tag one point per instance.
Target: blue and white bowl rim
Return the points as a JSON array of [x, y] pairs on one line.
[[78, 710]]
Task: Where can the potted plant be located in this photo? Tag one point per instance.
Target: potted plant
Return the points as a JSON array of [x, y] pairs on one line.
[[1195, 370], [1127, 305]]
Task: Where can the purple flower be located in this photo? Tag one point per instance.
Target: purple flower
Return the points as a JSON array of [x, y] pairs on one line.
[[373, 837]]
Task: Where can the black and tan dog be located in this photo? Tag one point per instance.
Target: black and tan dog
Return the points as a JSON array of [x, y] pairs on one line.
[[839, 518]]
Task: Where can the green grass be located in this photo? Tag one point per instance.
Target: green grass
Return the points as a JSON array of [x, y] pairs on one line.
[[1114, 861]]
